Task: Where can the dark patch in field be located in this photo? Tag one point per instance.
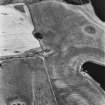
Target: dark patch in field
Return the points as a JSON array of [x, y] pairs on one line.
[[19, 8], [4, 13]]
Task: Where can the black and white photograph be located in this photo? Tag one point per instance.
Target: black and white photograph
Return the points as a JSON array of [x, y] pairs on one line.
[[52, 52]]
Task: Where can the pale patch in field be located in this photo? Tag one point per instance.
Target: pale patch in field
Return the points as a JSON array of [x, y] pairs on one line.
[[15, 31]]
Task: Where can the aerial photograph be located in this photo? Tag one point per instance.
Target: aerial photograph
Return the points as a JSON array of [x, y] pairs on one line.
[[52, 52]]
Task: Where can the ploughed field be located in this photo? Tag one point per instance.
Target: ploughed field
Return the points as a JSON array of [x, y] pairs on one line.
[[52, 76]]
